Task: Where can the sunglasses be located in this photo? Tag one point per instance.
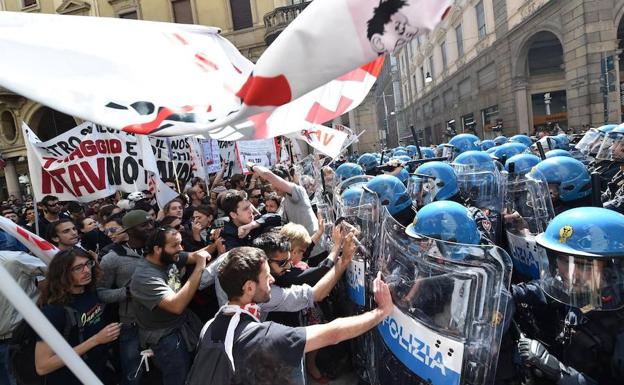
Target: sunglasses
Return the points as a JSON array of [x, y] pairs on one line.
[[53, 204], [112, 230], [282, 263], [80, 268]]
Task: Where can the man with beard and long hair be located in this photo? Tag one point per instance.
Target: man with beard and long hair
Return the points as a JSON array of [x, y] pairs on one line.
[[160, 302], [70, 286]]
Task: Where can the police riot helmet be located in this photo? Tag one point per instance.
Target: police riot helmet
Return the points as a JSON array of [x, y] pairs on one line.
[[403, 176], [399, 152], [507, 150], [521, 138], [554, 153], [487, 144], [612, 147], [351, 196], [585, 264], [570, 176], [411, 150], [368, 162], [445, 179], [523, 163], [427, 153], [473, 161], [347, 170], [464, 142], [391, 192], [564, 141], [447, 221], [500, 140]]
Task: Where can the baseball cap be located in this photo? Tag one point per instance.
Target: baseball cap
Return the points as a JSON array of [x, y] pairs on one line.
[[134, 218]]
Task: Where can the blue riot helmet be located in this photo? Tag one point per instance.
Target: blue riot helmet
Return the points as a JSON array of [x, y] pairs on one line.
[[585, 264], [368, 162], [521, 138], [427, 153], [346, 171], [523, 163], [592, 143], [351, 196], [507, 150], [399, 152], [491, 150], [403, 176], [391, 192], [445, 220], [473, 161], [500, 140], [487, 144], [612, 147], [411, 150], [569, 175], [554, 153], [444, 178], [464, 142], [564, 141]]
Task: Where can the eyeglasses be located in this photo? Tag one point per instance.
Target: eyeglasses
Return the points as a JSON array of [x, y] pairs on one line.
[[80, 268], [53, 204], [282, 263], [112, 230]]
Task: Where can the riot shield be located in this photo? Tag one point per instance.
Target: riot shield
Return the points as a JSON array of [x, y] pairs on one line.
[[355, 181], [449, 304], [590, 142], [422, 189], [612, 147], [528, 210], [484, 189]]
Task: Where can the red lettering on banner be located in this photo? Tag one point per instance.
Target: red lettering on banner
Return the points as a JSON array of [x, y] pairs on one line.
[[319, 114], [205, 62], [78, 179], [41, 243], [48, 161], [88, 148], [327, 138], [57, 178], [97, 179], [264, 91]]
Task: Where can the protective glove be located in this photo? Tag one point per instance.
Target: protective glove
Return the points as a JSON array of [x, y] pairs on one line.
[[535, 356]]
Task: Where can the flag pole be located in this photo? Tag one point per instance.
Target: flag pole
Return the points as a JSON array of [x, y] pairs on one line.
[[35, 318], [175, 168]]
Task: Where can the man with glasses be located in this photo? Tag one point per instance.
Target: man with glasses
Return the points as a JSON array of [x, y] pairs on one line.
[[118, 266], [51, 213]]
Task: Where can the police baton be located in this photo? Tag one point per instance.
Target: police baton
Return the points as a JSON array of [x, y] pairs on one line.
[[511, 167], [540, 148], [596, 192], [389, 167]]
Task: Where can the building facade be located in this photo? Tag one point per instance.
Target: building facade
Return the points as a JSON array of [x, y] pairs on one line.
[[510, 66], [251, 25]]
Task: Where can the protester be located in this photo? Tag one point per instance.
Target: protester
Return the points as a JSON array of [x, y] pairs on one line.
[[63, 234], [272, 203], [51, 209], [70, 287]]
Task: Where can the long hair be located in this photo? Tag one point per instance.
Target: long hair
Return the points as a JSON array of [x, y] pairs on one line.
[[56, 289]]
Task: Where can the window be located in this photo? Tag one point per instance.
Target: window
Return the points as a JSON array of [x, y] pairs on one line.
[[7, 122], [182, 11], [490, 117], [28, 3], [480, 19], [431, 66], [415, 83], [129, 15], [459, 35], [443, 51], [241, 14], [422, 75]]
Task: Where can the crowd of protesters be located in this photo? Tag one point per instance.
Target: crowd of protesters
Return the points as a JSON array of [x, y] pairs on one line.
[[143, 280]]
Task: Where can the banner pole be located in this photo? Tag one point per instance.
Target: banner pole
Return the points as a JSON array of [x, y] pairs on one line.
[[35, 318], [36, 210], [175, 166]]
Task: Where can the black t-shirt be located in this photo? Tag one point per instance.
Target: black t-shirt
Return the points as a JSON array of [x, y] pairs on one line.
[[90, 315], [266, 354]]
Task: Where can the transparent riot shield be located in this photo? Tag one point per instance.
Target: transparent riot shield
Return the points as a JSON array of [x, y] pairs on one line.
[[591, 140], [355, 181], [422, 189], [449, 301], [612, 147], [528, 210], [484, 189]]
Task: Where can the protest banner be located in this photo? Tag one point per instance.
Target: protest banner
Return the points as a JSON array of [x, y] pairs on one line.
[[177, 158], [212, 156], [324, 139], [89, 162], [262, 152]]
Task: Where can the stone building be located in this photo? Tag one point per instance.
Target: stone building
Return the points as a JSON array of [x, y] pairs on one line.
[[511, 66], [251, 25]]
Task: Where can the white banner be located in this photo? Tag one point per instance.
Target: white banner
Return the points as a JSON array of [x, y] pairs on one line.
[[186, 79], [212, 157], [325, 139], [262, 152], [90, 162]]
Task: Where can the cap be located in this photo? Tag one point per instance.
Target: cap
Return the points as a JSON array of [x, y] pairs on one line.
[[134, 218]]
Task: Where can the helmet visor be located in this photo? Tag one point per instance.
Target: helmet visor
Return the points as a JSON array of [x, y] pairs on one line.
[[589, 138], [422, 189], [585, 283], [612, 148], [482, 189]]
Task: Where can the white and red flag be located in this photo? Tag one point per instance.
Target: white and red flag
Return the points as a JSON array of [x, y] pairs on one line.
[[37, 245]]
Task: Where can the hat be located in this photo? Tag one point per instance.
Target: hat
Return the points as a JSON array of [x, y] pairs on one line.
[[134, 218]]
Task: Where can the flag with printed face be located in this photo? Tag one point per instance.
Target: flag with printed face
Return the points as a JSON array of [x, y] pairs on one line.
[[172, 79]]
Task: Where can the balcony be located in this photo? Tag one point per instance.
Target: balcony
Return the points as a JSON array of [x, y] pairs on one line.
[[278, 19]]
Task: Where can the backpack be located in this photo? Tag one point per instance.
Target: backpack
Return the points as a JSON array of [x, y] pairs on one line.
[[211, 364], [22, 348]]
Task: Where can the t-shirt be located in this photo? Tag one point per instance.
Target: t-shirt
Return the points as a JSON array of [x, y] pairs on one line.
[[266, 354], [90, 314], [150, 284], [298, 209]]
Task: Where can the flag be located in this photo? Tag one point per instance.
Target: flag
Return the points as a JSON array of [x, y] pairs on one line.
[[37, 245], [174, 79], [325, 139]]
